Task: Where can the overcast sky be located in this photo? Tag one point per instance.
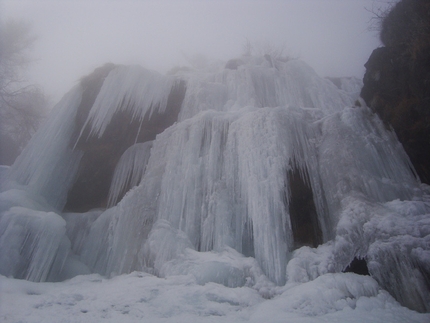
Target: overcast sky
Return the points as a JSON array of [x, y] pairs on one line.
[[74, 37]]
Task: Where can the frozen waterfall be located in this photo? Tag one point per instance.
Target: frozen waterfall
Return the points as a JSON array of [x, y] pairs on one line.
[[268, 167]]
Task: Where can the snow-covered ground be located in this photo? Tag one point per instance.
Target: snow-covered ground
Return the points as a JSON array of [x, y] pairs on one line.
[[141, 297]]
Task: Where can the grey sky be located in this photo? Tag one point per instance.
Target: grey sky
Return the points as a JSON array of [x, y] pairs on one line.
[[74, 37]]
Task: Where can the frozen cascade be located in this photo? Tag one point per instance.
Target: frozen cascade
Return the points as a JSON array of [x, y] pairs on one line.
[[217, 182], [48, 164], [228, 196], [259, 85]]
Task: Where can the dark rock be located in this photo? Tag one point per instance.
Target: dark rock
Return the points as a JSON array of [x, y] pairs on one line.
[[101, 155], [396, 84], [358, 266], [302, 210]]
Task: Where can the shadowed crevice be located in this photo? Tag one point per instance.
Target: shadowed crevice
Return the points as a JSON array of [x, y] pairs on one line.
[[302, 210], [358, 266]]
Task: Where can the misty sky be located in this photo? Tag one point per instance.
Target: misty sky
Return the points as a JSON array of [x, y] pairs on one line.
[[74, 37]]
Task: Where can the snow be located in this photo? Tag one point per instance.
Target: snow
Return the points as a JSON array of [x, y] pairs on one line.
[[198, 224], [139, 296]]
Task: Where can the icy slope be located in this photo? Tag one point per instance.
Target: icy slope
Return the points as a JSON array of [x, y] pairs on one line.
[[263, 159]]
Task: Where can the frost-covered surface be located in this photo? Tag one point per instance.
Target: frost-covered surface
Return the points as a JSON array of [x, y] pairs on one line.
[[393, 235], [141, 297], [209, 198]]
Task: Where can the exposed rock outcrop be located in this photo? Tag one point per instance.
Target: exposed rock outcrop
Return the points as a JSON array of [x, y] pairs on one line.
[[397, 79], [101, 154]]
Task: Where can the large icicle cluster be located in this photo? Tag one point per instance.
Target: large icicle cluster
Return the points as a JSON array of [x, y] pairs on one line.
[[220, 179], [128, 88]]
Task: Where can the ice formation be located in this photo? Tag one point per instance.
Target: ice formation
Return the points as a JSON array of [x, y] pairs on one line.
[[130, 170], [217, 184]]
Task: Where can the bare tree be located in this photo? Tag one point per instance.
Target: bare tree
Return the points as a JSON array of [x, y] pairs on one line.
[[22, 105], [379, 10]]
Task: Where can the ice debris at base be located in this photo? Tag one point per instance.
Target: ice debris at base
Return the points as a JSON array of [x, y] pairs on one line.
[[217, 182]]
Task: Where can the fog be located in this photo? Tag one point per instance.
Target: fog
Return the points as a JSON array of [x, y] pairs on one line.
[[74, 37]]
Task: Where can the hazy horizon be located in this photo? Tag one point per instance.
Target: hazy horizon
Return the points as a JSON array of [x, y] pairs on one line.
[[75, 37]]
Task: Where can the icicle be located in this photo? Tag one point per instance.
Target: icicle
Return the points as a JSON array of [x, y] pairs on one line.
[[48, 165], [128, 88], [129, 170]]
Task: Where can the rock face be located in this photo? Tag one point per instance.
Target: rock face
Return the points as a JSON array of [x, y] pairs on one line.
[[101, 154], [397, 80]]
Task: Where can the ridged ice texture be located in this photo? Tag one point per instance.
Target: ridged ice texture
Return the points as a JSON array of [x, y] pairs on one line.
[[224, 195], [219, 177], [219, 180], [357, 154], [259, 84], [129, 170], [47, 166], [132, 88]]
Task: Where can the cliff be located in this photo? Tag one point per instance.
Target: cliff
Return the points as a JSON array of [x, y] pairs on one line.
[[397, 79]]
